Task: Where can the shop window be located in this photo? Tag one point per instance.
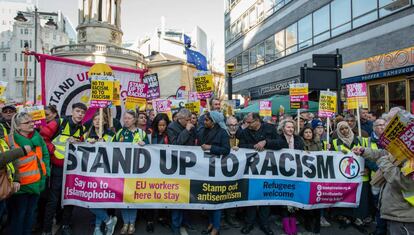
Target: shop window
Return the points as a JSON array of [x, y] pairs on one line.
[[396, 94], [291, 38], [389, 6], [305, 32], [377, 99], [340, 16], [364, 11], [321, 24], [269, 49]]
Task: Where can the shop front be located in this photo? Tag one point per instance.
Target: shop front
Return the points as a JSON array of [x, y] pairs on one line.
[[389, 78]]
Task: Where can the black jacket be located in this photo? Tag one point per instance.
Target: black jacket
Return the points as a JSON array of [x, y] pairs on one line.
[[178, 135], [281, 142], [217, 137], [248, 138]]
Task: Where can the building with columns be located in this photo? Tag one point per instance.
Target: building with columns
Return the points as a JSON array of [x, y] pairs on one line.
[[100, 36]]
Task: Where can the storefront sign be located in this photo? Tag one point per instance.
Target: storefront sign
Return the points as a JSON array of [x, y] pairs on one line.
[[272, 88]]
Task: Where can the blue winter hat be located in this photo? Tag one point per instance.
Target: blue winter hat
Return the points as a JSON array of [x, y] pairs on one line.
[[316, 123]]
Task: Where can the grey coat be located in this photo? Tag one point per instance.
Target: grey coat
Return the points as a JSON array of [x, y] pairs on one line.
[[393, 206]]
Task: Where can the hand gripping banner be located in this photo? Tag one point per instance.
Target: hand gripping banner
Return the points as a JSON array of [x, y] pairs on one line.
[[123, 175]]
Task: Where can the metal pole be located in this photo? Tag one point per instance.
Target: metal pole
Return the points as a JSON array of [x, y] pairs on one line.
[[338, 80], [230, 87], [26, 51], [34, 60]]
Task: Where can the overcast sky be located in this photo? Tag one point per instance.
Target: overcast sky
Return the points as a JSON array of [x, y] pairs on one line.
[[141, 17]]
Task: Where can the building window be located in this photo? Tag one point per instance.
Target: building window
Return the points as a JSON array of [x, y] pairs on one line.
[[253, 58], [260, 11], [239, 64], [387, 7], [4, 57], [26, 31], [340, 16], [245, 61], [305, 32], [15, 72], [291, 38], [270, 49], [30, 44], [3, 72], [260, 54], [30, 72], [21, 57], [252, 17], [30, 59], [364, 11], [15, 56], [245, 22], [268, 7], [321, 24], [280, 44], [21, 31], [21, 72]]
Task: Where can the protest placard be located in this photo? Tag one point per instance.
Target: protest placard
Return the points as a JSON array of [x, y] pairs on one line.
[[204, 85], [298, 93], [102, 85], [327, 104], [136, 96], [121, 175], [117, 93], [153, 86], [37, 112], [265, 108], [193, 106], [356, 94], [3, 86]]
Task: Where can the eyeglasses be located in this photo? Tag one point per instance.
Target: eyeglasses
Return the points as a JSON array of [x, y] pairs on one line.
[[28, 122], [8, 111]]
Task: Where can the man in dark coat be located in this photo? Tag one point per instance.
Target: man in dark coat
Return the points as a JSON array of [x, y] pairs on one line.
[[258, 136]]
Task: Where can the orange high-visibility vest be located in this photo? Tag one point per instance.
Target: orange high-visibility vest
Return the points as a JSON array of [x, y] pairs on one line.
[[28, 171]]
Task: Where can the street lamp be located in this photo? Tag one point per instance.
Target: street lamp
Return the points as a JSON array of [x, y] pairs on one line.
[[21, 18]]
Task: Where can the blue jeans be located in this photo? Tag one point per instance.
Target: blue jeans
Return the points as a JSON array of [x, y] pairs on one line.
[[214, 218], [129, 216], [176, 219], [22, 208], [100, 216]]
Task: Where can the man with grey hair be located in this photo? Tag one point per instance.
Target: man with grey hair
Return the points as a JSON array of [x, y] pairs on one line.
[[180, 132]]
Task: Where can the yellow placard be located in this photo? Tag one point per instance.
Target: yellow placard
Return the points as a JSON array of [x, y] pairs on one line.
[[354, 102], [193, 106], [132, 103], [117, 93], [157, 190], [102, 90], [100, 69], [204, 83], [327, 103], [38, 115]]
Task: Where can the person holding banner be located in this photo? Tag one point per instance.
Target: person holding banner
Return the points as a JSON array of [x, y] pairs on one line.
[[258, 136], [345, 142], [56, 134], [288, 140], [214, 138], [51, 113], [31, 172], [158, 136], [312, 217], [132, 134], [7, 112], [180, 132], [92, 136]]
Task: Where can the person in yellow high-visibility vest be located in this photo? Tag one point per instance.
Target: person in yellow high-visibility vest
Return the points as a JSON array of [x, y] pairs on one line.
[[344, 143], [56, 134]]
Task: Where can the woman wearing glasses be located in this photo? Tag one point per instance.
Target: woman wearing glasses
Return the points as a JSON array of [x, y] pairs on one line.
[[31, 172], [132, 134]]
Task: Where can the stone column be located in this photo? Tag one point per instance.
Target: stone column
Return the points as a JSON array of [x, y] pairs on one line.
[[118, 14], [95, 10], [104, 11], [81, 13]]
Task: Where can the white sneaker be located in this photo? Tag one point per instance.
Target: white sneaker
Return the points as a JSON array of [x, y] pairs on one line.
[[97, 231], [324, 222], [110, 225]]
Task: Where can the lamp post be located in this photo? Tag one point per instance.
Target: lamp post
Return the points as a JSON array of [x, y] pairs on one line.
[[21, 18], [230, 71]]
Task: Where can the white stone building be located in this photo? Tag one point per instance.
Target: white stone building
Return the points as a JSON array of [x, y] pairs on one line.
[[14, 35]]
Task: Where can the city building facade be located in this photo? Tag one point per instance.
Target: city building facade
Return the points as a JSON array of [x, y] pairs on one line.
[[13, 37], [269, 40]]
